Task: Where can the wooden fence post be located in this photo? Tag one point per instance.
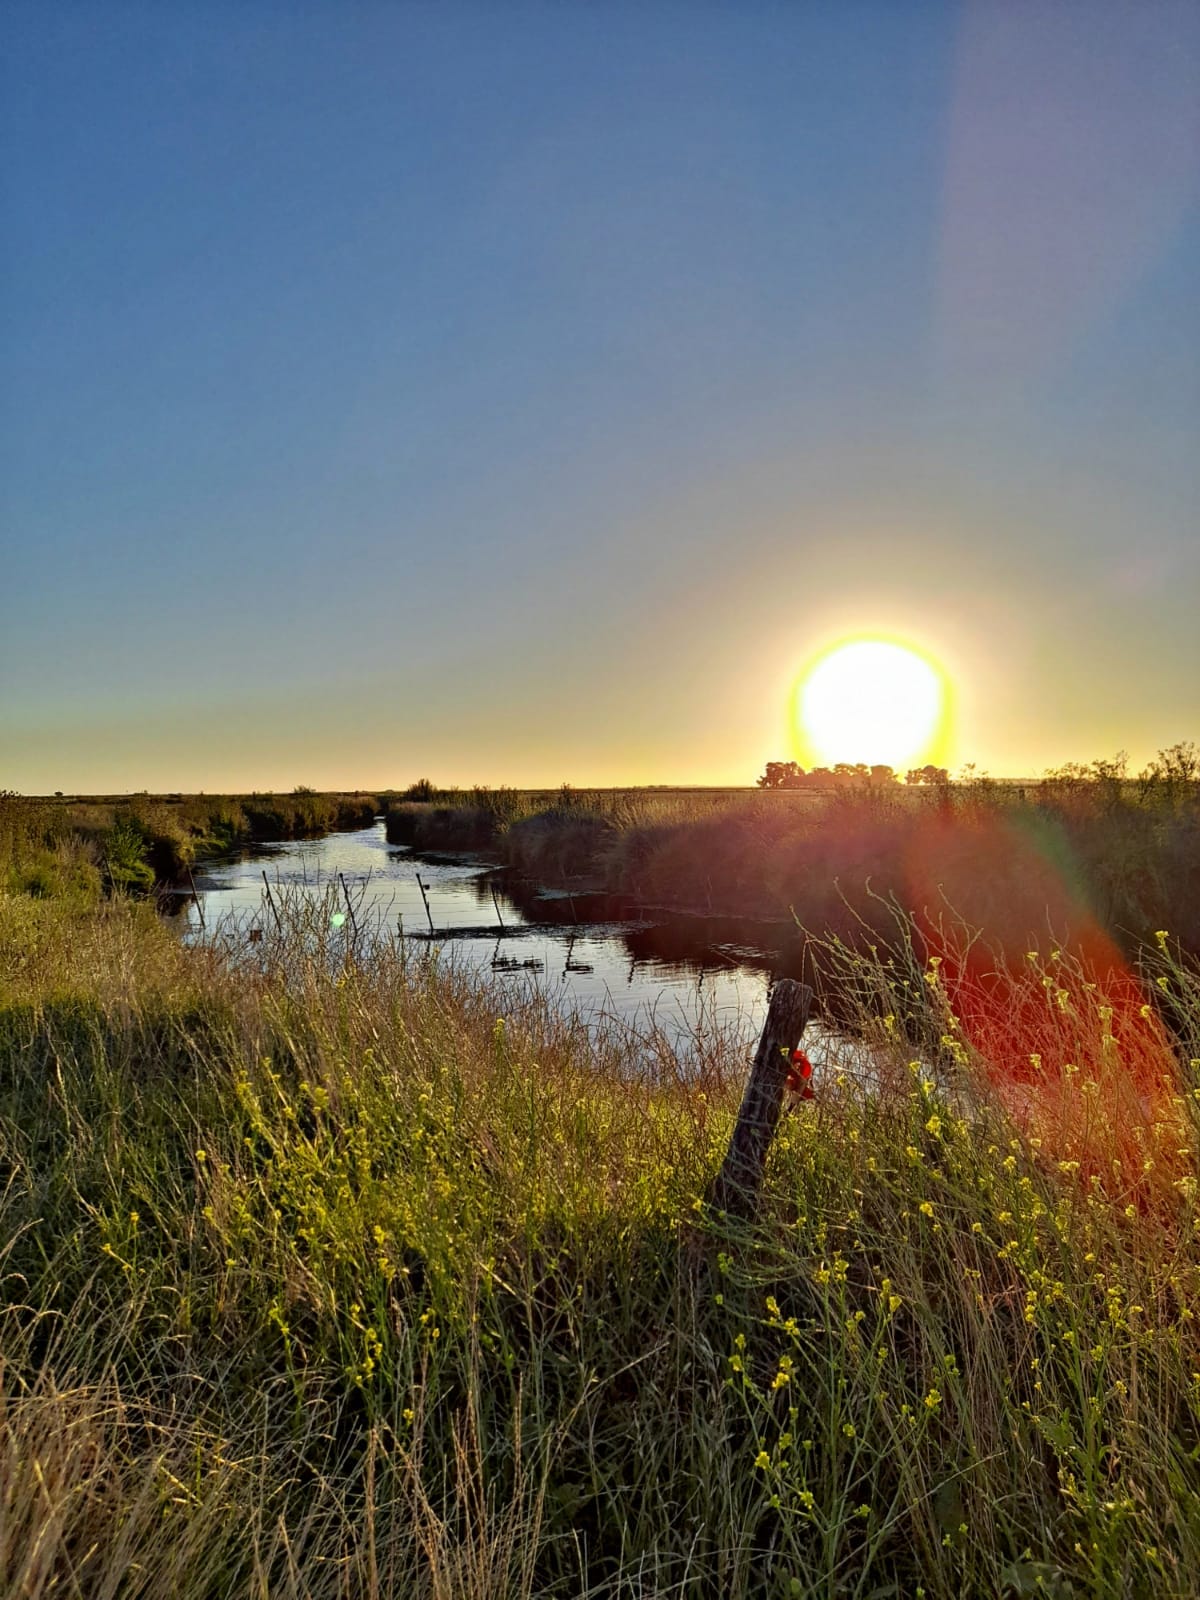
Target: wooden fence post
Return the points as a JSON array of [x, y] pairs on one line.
[[740, 1178], [271, 901], [196, 897], [349, 905]]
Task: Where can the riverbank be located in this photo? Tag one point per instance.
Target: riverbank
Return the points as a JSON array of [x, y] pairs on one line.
[[89, 846], [1082, 856], [330, 1271]]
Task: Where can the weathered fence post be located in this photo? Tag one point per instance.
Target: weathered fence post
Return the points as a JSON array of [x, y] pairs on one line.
[[740, 1178], [349, 905], [425, 898], [196, 897], [271, 901]]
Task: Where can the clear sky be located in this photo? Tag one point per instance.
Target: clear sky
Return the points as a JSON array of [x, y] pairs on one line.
[[526, 393]]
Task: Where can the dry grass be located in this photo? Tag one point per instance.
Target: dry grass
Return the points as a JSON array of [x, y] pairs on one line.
[[327, 1274]]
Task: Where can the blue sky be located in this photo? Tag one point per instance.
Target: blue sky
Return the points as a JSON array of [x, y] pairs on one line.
[[527, 393]]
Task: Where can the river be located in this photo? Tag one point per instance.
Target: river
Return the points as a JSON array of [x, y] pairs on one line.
[[696, 979]]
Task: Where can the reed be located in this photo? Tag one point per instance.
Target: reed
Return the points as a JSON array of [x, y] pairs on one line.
[[1083, 848]]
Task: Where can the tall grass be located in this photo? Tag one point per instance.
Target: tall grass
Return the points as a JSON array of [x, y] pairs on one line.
[[1073, 851], [84, 848], [328, 1271]]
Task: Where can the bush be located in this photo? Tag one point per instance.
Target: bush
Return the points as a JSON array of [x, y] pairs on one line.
[[126, 867], [561, 845]]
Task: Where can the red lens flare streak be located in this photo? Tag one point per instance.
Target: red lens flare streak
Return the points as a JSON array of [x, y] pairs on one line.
[[1066, 1034]]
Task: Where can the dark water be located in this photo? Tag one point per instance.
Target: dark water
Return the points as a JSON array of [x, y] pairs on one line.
[[692, 978]]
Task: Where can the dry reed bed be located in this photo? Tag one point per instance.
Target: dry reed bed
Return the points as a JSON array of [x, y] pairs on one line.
[[1124, 855]]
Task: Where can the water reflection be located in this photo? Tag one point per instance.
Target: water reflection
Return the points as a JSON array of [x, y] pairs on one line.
[[605, 956]]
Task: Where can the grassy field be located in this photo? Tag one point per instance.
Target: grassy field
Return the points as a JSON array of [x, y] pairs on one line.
[[329, 1273]]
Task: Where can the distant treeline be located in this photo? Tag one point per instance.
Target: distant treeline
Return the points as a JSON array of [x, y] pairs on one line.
[[789, 775]]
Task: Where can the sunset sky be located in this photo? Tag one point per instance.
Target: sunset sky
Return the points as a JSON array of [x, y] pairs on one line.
[[526, 393]]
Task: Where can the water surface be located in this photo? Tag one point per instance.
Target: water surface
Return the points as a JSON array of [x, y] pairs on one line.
[[692, 978]]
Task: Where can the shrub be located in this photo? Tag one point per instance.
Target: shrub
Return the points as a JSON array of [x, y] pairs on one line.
[[125, 865]]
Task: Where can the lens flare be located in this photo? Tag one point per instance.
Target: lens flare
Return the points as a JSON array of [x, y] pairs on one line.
[[873, 701]]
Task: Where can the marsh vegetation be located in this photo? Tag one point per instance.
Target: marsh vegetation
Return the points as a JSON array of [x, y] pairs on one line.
[[85, 847], [331, 1270], [1085, 846]]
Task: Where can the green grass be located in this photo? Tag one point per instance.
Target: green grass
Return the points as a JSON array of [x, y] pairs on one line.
[[329, 1273], [87, 847]]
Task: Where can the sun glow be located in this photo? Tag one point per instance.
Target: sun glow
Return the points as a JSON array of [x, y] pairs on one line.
[[873, 701]]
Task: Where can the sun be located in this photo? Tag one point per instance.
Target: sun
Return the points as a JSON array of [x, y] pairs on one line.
[[871, 700]]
